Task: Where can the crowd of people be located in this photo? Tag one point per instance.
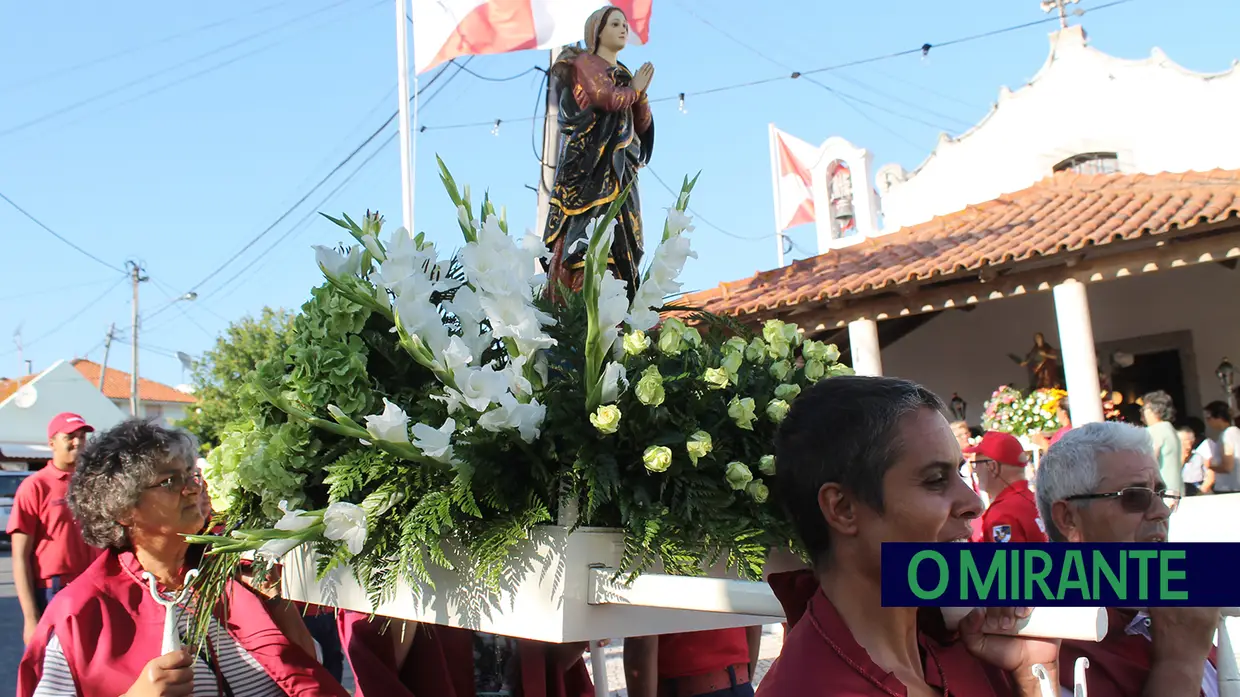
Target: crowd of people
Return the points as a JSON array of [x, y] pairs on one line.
[[862, 461]]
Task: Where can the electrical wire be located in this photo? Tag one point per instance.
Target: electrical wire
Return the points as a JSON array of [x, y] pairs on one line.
[[70, 319], [311, 192], [139, 47], [699, 216], [59, 236], [315, 209], [163, 71], [209, 69], [57, 290], [924, 48]]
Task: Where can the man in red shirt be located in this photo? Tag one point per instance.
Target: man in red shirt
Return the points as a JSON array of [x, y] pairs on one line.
[[863, 461], [48, 549], [715, 663], [999, 460], [1101, 483]]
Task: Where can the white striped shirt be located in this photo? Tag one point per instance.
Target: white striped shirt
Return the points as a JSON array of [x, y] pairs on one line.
[[244, 675]]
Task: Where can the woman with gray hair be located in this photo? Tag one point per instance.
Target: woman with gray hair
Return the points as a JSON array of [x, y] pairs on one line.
[[137, 492], [1158, 411]]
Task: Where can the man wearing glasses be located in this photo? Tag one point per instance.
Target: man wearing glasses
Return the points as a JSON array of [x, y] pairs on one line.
[[1101, 483], [999, 461]]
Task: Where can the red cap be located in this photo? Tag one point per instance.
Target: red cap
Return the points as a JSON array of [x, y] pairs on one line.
[[67, 423], [1001, 447]]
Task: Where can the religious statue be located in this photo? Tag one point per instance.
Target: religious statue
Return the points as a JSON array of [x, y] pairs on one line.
[[607, 135], [1042, 362]]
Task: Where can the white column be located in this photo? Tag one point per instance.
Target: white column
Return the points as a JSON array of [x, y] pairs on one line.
[[1080, 360], [863, 340]]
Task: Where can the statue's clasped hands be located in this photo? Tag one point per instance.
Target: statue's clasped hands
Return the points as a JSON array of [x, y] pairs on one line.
[[643, 76]]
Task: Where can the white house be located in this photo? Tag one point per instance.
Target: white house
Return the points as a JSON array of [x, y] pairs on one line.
[[1099, 205], [28, 404]]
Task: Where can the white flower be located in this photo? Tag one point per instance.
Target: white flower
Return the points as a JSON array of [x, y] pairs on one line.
[[465, 306], [372, 246], [294, 520], [435, 443], [337, 265], [678, 222], [457, 356], [276, 549], [346, 522], [526, 418], [615, 381], [516, 317], [613, 304], [391, 426], [462, 214], [480, 387], [420, 318], [518, 384]]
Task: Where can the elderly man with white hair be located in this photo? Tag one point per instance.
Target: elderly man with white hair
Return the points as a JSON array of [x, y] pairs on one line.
[[1101, 483]]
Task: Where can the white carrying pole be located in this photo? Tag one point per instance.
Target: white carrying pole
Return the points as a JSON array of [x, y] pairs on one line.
[[402, 88], [779, 233], [1228, 673], [598, 665]]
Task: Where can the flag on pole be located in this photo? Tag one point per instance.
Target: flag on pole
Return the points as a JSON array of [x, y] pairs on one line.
[[792, 159], [447, 29]]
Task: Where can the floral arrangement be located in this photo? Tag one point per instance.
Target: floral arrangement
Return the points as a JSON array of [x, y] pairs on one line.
[[1010, 411], [429, 403]]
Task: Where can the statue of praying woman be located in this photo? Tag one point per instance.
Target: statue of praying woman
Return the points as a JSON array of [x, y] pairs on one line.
[[607, 135], [1043, 364]]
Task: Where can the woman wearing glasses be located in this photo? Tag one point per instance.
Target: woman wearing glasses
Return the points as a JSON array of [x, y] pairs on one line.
[[1101, 483], [136, 492]]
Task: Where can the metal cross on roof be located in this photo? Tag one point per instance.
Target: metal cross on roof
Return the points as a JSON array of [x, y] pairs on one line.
[[1048, 5]]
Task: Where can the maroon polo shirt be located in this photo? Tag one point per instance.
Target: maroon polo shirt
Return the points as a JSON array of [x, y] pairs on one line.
[[1120, 664], [821, 658], [40, 511], [701, 653], [1013, 516]]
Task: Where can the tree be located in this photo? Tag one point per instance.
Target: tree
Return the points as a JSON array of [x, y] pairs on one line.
[[221, 372]]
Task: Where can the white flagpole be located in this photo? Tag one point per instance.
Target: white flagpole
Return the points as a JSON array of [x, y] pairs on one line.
[[402, 85], [779, 233]]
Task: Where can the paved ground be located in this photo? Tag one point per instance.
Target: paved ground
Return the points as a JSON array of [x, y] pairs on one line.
[[11, 642]]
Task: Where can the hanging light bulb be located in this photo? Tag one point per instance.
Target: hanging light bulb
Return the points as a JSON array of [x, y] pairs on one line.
[[682, 103], [495, 128]]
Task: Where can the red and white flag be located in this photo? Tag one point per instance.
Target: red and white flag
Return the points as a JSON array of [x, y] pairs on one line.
[[792, 160], [446, 29]]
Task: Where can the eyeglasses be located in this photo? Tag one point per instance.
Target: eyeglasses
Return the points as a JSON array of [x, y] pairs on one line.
[[178, 481], [1134, 499]]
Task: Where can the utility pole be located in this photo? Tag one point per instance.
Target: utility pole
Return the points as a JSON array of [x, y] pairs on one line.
[[107, 348], [136, 274], [21, 351], [551, 148]]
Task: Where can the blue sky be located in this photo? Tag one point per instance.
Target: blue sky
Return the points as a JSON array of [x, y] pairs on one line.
[[179, 152]]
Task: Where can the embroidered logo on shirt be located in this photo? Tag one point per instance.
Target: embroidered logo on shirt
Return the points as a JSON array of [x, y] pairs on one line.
[[1041, 525], [1001, 533]]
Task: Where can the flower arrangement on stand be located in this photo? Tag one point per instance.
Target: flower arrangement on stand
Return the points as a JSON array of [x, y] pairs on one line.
[[1010, 411], [431, 401]]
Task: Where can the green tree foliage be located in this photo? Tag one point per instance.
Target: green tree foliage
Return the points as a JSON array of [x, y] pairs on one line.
[[220, 376]]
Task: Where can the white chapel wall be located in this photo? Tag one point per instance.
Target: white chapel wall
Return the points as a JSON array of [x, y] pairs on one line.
[[1155, 115], [966, 352]]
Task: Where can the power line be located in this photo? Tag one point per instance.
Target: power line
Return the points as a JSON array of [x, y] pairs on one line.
[[57, 235], [58, 289], [699, 216], [70, 319], [139, 47], [314, 210], [924, 48], [149, 76], [310, 193], [210, 69]]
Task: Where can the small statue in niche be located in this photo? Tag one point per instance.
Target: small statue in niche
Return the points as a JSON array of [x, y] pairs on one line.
[[608, 135], [1043, 364]]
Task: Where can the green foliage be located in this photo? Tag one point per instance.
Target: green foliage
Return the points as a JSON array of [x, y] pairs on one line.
[[220, 376]]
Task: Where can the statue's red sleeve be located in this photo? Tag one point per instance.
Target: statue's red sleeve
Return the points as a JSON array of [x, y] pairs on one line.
[[596, 87], [642, 118]]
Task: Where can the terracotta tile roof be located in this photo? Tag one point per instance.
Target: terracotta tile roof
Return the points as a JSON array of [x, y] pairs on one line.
[[116, 385], [9, 386], [1062, 213]]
